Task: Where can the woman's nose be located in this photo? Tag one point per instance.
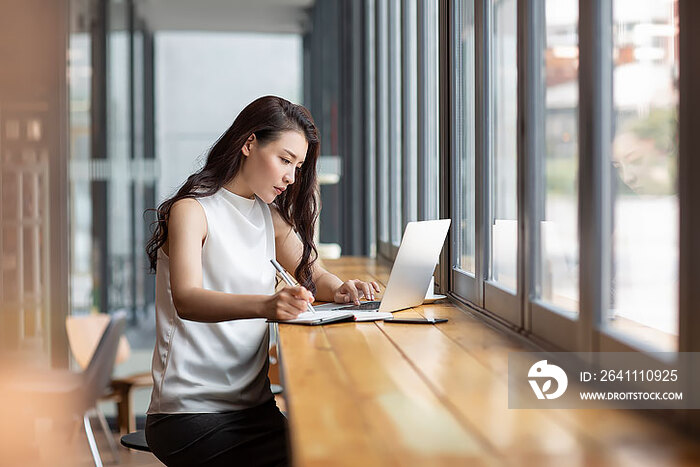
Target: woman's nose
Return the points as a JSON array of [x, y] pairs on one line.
[[288, 177]]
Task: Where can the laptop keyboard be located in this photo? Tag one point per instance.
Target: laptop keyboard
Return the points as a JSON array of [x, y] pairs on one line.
[[363, 306]]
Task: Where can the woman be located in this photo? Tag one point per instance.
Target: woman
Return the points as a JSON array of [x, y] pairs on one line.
[[255, 199]]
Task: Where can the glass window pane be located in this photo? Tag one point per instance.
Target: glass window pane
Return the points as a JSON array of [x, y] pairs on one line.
[[559, 247], [432, 129], [119, 238], [410, 108], [428, 109], [465, 189], [395, 165], [370, 102], [504, 112], [80, 197], [644, 269], [382, 137]]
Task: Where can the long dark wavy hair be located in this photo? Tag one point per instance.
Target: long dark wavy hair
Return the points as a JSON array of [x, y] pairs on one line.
[[266, 117]]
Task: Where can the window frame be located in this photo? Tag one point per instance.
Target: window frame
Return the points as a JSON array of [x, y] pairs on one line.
[[497, 300], [466, 285], [544, 322]]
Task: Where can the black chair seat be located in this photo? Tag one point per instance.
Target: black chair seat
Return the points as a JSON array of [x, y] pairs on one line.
[[136, 440]]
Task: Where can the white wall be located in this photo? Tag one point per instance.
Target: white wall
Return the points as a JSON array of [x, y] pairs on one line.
[[203, 80]]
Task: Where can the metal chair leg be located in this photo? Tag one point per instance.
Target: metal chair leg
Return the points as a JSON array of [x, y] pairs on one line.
[[110, 438], [91, 440]]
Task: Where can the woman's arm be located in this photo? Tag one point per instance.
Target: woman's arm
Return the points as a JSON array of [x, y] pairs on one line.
[[329, 288], [187, 228]]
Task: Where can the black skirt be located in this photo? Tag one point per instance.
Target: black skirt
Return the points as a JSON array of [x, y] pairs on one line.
[[250, 437]]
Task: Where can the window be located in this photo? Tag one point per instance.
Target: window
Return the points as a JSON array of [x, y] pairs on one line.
[[82, 274], [409, 103], [529, 156], [407, 117], [644, 197], [395, 122], [428, 111], [504, 114], [119, 272], [558, 227], [371, 125], [382, 126], [464, 179]]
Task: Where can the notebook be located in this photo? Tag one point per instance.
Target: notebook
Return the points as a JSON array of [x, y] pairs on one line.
[[320, 317], [333, 316]]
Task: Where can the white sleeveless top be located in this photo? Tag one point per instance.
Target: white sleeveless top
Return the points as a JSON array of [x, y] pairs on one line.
[[217, 367]]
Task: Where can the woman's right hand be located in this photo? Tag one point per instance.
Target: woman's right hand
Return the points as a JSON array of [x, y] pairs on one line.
[[288, 303]]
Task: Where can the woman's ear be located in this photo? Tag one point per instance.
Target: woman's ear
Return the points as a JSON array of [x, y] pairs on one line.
[[248, 144]]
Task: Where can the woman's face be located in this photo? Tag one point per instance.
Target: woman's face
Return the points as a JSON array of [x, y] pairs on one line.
[[269, 168]]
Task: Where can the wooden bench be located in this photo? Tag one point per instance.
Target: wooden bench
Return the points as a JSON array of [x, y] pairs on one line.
[[400, 394]]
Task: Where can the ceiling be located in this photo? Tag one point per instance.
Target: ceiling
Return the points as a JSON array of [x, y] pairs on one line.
[[265, 16]]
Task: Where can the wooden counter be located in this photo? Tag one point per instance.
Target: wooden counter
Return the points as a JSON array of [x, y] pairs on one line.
[[365, 394]]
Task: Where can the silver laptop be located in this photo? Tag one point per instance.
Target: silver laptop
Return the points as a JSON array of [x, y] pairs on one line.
[[412, 270]]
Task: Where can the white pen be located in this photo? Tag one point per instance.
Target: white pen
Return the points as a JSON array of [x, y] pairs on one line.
[[288, 280]]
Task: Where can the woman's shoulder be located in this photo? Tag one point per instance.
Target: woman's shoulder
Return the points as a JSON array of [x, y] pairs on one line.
[[187, 210], [186, 221], [186, 204]]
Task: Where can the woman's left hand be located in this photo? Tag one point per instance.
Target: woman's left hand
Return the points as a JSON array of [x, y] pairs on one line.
[[352, 290]]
